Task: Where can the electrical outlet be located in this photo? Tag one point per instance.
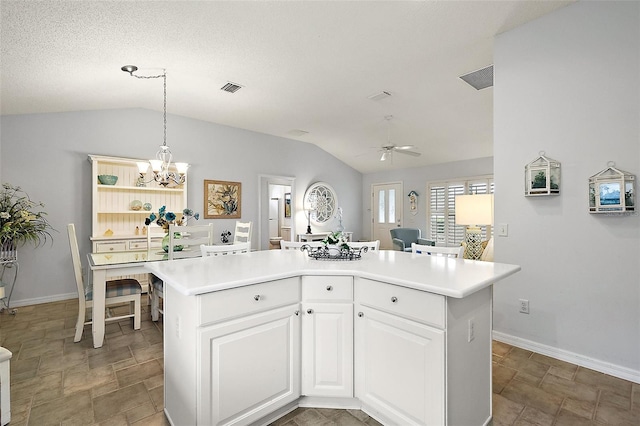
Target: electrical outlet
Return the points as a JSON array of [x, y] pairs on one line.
[[524, 306], [472, 330]]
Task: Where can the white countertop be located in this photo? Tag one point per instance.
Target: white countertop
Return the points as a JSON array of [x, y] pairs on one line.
[[446, 276]]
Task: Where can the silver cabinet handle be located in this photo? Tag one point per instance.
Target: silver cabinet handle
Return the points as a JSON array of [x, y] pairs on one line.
[[329, 288], [394, 299], [309, 311], [256, 297], [360, 314], [297, 313]]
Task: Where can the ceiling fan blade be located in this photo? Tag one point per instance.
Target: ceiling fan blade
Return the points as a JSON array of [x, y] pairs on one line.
[[384, 156], [403, 147], [412, 153]]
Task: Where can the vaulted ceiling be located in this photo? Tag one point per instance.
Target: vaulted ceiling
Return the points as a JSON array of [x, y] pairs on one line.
[[307, 69]]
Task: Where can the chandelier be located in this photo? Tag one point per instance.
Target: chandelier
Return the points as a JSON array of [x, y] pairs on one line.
[[162, 163]]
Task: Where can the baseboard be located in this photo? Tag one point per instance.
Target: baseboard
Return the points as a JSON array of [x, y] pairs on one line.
[[572, 357], [40, 300]]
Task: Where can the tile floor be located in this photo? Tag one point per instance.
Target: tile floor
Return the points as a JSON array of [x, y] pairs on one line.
[[57, 382]]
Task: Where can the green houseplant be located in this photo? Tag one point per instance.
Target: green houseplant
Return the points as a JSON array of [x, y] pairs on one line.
[[21, 219]]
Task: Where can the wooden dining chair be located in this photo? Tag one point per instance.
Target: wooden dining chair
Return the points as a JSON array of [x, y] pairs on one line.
[[372, 245], [242, 233], [155, 234], [294, 245], [189, 237], [456, 252], [224, 249], [126, 290]]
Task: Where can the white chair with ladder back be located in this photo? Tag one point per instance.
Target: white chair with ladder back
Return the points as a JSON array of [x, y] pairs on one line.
[[455, 252], [118, 292], [242, 233]]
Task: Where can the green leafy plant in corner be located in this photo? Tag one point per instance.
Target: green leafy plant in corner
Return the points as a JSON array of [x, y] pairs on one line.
[[21, 219]]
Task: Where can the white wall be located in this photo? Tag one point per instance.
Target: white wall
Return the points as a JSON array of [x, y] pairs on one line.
[[567, 84], [46, 154], [416, 179]]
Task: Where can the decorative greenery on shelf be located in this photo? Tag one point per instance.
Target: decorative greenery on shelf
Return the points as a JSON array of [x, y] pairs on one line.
[[21, 219], [337, 238], [165, 218]]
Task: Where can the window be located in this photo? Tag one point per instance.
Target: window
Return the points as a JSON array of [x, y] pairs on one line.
[[441, 208]]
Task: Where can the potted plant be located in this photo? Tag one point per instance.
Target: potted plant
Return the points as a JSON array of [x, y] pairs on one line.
[[21, 220]]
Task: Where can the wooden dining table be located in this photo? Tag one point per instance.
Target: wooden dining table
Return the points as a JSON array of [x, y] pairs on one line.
[[105, 266]]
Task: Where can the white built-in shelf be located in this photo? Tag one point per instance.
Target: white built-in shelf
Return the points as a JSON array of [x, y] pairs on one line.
[[145, 212], [139, 188]]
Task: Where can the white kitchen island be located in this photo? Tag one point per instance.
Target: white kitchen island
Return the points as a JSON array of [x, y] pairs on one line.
[[404, 337]]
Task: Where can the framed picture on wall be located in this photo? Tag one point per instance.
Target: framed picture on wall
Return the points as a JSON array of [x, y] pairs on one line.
[[222, 199], [287, 204]]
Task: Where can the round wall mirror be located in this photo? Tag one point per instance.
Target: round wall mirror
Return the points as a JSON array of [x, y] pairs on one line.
[[322, 201]]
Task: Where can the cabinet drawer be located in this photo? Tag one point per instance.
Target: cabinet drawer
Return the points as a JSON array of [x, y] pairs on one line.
[[111, 246], [413, 304], [241, 301], [138, 245], [327, 288]]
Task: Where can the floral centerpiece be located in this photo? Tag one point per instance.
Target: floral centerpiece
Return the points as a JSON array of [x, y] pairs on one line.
[[165, 218], [21, 220], [337, 239], [334, 247]]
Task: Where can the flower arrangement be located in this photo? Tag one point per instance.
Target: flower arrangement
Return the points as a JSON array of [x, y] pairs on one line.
[[165, 218], [338, 239], [21, 220], [224, 237]]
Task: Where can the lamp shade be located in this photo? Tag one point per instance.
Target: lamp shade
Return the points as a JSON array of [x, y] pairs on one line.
[[474, 209]]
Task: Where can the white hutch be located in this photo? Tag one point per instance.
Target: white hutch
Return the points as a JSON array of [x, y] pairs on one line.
[[115, 225]]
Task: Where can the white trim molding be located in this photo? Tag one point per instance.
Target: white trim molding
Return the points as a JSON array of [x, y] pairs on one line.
[[572, 357]]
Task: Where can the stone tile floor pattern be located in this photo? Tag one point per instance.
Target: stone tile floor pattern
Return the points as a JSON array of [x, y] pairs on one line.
[[55, 381]]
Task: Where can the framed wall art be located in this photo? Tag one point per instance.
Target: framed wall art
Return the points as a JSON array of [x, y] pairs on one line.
[[222, 199], [287, 204]]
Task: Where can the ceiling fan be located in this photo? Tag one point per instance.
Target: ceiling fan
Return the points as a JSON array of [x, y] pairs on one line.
[[388, 149]]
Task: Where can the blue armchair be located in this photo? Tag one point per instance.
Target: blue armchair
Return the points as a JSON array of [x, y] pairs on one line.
[[403, 237]]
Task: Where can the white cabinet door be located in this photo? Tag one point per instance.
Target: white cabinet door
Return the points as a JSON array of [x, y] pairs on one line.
[[248, 367], [327, 349], [400, 368]]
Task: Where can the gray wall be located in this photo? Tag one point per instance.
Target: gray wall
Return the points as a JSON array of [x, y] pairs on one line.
[[567, 84], [46, 154]]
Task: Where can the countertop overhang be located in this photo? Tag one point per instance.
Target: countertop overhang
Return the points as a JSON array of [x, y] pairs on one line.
[[446, 276]]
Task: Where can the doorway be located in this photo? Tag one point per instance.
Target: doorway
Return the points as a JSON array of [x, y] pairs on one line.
[[276, 205], [387, 212]]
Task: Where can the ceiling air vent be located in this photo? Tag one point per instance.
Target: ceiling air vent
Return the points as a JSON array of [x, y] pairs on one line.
[[231, 87], [379, 96], [480, 79]]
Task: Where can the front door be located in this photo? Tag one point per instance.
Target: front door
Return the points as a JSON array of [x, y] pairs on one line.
[[387, 211]]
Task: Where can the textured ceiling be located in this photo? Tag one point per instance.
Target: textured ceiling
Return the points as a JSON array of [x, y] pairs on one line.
[[307, 66]]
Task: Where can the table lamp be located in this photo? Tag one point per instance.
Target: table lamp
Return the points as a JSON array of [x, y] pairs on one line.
[[474, 211]]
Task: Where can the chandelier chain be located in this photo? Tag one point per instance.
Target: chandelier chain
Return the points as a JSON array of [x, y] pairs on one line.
[[164, 77]]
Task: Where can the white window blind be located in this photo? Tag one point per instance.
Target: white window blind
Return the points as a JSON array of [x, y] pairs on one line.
[[441, 210]]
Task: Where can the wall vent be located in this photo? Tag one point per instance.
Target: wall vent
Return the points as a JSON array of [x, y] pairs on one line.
[[231, 87], [480, 79]]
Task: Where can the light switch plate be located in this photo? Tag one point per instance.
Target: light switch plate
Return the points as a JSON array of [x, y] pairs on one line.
[[503, 230]]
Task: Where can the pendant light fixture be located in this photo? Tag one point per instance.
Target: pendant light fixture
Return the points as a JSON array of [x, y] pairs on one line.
[[161, 165]]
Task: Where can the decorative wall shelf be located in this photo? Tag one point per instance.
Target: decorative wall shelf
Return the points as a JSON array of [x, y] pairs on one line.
[[612, 191], [542, 177]]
